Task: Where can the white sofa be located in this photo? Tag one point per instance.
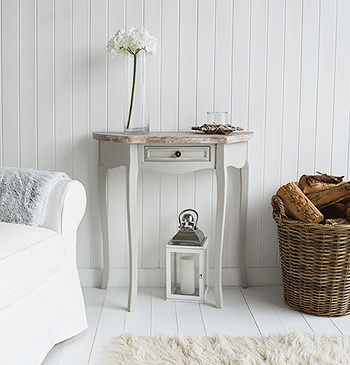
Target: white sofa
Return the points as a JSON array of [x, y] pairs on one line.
[[41, 301]]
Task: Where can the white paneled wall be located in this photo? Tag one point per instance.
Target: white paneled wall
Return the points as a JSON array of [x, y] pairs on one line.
[[280, 67]]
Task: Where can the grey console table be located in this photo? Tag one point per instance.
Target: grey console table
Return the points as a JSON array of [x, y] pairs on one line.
[[175, 153]]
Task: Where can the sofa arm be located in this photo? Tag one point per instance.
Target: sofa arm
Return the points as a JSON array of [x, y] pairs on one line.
[[65, 206]]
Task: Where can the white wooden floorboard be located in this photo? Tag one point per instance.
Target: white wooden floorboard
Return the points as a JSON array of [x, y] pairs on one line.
[[111, 323], [246, 312], [77, 349], [322, 325], [163, 314], [291, 319], [234, 319], [139, 321], [343, 324], [265, 316], [189, 319]]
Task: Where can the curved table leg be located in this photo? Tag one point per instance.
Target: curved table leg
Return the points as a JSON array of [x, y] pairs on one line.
[[221, 175], [243, 222], [102, 181], [131, 186]]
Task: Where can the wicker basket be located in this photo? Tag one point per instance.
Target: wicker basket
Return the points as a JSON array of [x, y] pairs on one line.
[[315, 262]]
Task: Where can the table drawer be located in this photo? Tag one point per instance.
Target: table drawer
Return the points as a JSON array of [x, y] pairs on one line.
[[179, 153]]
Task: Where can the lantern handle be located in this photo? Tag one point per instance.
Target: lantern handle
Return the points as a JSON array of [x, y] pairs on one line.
[[189, 210]]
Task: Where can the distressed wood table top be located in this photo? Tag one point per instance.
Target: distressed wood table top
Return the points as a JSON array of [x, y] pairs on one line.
[[173, 137]]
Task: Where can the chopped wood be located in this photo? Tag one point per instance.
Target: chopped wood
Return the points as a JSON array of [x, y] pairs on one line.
[[336, 221], [347, 210], [314, 183], [337, 210], [332, 195], [348, 214], [298, 205], [328, 178]]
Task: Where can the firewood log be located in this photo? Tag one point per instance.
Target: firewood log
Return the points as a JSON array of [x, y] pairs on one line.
[[328, 178], [347, 209], [337, 210], [334, 194], [348, 214], [297, 204], [313, 183], [336, 221]]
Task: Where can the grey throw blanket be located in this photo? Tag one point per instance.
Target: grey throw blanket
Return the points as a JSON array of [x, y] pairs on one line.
[[24, 194]]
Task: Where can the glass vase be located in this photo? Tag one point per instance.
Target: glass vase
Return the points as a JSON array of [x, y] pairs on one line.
[[136, 110]]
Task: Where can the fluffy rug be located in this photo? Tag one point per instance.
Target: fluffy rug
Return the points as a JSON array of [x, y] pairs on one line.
[[295, 348]]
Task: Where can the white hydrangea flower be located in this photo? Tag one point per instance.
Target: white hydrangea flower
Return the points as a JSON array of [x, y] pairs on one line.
[[132, 40]]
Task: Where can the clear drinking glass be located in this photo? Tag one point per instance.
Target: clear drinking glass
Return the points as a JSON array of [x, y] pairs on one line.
[[217, 117]]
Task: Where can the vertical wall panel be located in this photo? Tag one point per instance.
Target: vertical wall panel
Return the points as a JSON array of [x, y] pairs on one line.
[[291, 101], [115, 77], [231, 247], [213, 219], [45, 74], [1, 96], [169, 49], [238, 114], [325, 92], [239, 108], [151, 180], [281, 68], [187, 93], [80, 113], [309, 76], [169, 116], [257, 90], [98, 112], [117, 216], [153, 23], [340, 140], [150, 219], [187, 66], [185, 194], [27, 96], [134, 13], [240, 70], [168, 212], [205, 59], [203, 205], [134, 18], [63, 85], [10, 77], [273, 117], [223, 55], [222, 77], [204, 103], [115, 115]]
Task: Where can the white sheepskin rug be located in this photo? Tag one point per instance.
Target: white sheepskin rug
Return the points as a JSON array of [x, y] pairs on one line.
[[295, 348]]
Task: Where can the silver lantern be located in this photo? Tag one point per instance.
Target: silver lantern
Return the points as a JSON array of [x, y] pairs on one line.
[[187, 261]]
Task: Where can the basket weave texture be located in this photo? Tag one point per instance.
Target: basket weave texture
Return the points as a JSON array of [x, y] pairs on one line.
[[315, 261]]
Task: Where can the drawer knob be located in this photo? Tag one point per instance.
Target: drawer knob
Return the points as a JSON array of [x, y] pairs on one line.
[[178, 154]]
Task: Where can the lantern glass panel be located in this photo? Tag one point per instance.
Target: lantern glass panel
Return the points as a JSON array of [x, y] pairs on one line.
[[185, 273]]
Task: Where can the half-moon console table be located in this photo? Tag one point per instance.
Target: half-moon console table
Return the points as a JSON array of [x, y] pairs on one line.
[[175, 153]]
